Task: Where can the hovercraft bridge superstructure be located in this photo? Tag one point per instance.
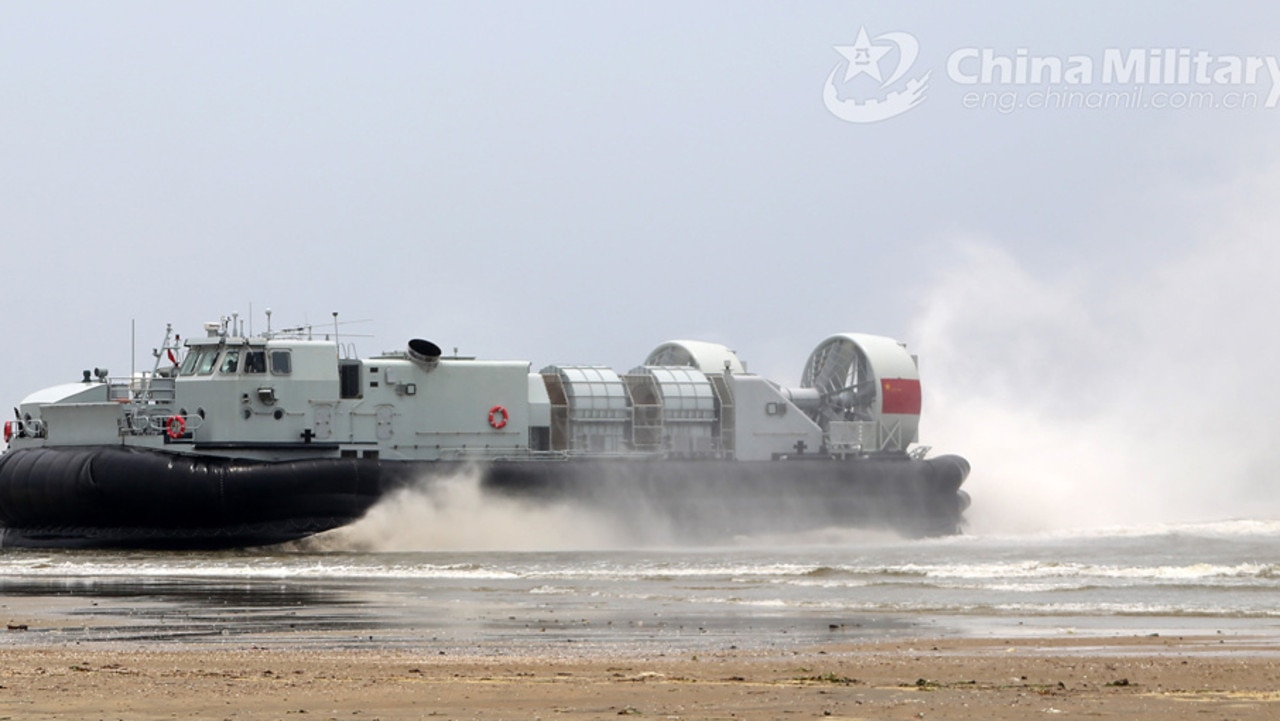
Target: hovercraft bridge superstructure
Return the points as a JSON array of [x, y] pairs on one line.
[[235, 440]]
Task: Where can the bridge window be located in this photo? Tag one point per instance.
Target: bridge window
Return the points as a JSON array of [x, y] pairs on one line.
[[208, 359], [189, 363], [281, 362], [255, 361], [230, 362]]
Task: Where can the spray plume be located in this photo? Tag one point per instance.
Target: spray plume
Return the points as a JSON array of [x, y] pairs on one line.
[[454, 514], [458, 514], [1147, 398]]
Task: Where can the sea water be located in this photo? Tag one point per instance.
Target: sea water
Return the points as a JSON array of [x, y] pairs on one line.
[[1201, 578]]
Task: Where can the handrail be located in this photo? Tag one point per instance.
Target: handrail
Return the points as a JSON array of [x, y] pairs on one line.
[[144, 389]]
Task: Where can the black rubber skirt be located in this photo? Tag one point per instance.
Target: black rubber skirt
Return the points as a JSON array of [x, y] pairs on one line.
[[118, 496], [115, 496]]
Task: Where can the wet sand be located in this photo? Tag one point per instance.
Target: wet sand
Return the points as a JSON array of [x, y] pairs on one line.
[[1119, 677], [214, 651]]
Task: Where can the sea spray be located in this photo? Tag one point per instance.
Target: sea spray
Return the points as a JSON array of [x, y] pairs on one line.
[[1130, 396], [455, 513]]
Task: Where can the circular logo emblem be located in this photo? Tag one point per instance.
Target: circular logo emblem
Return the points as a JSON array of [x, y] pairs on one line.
[[845, 96]]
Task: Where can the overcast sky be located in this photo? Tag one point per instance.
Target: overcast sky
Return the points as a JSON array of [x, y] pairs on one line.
[[576, 182]]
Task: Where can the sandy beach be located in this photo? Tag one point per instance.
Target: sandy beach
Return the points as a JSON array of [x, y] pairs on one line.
[[1119, 677]]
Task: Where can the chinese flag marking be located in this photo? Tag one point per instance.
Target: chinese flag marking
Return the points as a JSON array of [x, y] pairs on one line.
[[900, 395]]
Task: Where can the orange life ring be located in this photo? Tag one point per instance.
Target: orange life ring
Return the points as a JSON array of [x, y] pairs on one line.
[[498, 417], [175, 427]]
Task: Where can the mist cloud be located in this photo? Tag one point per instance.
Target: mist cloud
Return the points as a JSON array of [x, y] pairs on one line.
[[1146, 397]]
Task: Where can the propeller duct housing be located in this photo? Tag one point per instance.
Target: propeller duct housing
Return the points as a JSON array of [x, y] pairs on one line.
[[867, 380]]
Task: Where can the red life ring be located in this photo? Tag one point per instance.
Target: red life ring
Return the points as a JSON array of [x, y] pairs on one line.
[[498, 417], [8, 431], [175, 427]]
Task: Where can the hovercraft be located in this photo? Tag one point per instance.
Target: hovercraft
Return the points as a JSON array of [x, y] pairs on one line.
[[236, 440]]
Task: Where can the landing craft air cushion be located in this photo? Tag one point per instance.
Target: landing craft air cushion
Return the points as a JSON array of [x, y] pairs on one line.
[[235, 440]]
